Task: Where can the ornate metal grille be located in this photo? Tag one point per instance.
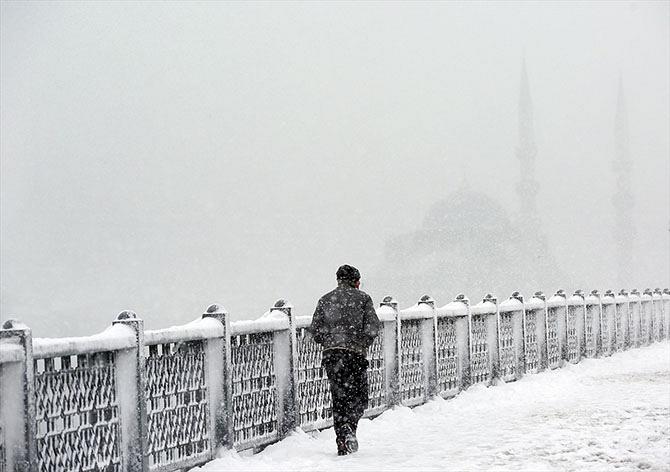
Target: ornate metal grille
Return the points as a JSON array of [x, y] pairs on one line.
[[607, 330], [553, 342], [590, 344], [254, 388], [412, 386], [314, 400], [447, 355], [658, 320], [76, 411], [377, 373], [620, 325], [176, 396], [645, 319], [532, 352], [507, 351], [480, 367], [633, 323], [571, 328]]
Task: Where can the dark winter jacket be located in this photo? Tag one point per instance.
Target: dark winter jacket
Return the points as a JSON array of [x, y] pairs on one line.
[[345, 318]]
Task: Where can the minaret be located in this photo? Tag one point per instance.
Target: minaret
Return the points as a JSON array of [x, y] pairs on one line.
[[624, 230], [526, 151], [541, 269]]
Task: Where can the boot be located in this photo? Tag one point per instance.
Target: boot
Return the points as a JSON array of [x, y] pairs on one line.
[[350, 440], [341, 447]]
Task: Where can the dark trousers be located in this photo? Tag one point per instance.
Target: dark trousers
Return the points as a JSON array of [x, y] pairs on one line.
[[348, 376]]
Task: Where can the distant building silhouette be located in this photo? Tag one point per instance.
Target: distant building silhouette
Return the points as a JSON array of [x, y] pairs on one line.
[[469, 243]]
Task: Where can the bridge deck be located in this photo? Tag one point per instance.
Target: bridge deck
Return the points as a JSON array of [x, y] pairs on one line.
[[602, 414]]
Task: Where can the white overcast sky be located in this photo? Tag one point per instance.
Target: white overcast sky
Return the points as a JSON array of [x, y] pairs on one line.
[[164, 156]]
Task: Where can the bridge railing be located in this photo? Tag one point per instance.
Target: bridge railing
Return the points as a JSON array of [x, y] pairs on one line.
[[163, 400], [647, 317], [510, 338], [575, 325]]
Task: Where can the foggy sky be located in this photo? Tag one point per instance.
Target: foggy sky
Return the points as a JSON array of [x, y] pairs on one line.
[[162, 157]]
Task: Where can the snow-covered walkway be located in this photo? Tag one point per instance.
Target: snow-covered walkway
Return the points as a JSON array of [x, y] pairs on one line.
[[602, 414]]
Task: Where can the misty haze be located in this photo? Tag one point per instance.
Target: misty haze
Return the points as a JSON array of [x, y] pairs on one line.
[[162, 157]]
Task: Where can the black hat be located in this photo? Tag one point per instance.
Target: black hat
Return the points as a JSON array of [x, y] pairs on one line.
[[349, 273]]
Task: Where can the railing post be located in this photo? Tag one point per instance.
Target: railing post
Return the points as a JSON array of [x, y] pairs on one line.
[[17, 394], [428, 333], [286, 370], [131, 396], [391, 353], [219, 381]]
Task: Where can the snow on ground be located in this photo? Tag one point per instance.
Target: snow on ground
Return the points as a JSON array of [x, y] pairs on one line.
[[602, 414]]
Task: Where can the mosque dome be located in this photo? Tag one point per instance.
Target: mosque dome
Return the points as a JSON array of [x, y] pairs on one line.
[[466, 210]]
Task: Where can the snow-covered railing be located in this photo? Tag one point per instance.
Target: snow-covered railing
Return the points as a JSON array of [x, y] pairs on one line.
[[665, 307], [535, 339], [417, 352], [575, 327], [510, 338], [621, 324], [134, 400], [608, 323], [646, 317], [557, 310], [634, 329], [657, 302], [483, 340], [183, 389], [592, 324], [452, 357]]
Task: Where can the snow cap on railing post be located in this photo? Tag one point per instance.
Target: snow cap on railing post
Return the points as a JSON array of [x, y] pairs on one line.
[[516, 296], [17, 408], [390, 302], [427, 300], [219, 379], [130, 391], [286, 362], [461, 298]]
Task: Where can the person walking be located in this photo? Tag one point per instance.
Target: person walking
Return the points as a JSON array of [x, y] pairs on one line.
[[345, 324]]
